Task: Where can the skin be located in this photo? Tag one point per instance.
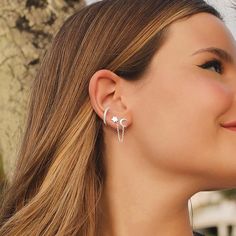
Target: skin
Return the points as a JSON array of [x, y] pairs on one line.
[[174, 144]]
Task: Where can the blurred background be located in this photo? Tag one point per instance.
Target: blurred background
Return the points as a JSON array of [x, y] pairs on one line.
[[26, 29]]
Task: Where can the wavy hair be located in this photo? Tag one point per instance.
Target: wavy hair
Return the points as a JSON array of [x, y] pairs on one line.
[[59, 174]]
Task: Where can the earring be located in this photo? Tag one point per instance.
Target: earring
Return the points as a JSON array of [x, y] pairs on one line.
[[191, 205], [117, 122], [105, 114], [123, 129]]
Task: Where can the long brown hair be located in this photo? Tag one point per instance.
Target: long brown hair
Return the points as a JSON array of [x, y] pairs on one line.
[[59, 174]]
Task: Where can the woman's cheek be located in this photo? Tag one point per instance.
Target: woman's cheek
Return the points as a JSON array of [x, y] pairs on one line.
[[217, 94]]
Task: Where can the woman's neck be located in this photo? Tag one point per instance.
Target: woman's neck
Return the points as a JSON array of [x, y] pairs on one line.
[[139, 200], [125, 217]]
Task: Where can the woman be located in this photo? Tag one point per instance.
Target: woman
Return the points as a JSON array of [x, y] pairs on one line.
[[127, 120]]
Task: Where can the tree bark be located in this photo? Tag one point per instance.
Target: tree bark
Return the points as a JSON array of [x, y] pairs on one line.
[[26, 29]]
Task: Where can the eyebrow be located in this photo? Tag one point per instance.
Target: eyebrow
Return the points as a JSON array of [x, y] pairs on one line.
[[222, 54]]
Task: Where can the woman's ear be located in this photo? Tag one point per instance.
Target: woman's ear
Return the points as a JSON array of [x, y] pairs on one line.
[[105, 91]]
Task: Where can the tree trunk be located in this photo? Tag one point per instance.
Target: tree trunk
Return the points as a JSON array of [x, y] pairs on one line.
[[26, 29]]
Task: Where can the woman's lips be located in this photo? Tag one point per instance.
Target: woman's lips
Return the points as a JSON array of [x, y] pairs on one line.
[[231, 128], [230, 125]]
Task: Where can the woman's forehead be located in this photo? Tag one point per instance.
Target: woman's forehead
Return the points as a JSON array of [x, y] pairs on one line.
[[199, 31]]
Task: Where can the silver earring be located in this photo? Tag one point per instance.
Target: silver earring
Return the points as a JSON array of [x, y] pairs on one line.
[[123, 129], [192, 223], [117, 122], [105, 114]]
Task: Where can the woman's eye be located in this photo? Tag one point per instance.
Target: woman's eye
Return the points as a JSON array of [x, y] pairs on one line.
[[214, 65]]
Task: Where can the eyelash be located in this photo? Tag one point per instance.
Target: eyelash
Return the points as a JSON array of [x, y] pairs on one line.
[[213, 63]]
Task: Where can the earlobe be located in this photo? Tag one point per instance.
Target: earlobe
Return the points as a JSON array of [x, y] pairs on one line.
[[123, 122], [119, 124]]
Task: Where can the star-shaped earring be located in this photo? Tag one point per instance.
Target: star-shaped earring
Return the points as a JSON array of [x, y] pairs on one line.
[[115, 119]]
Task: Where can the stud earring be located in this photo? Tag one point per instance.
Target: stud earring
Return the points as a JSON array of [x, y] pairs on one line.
[[115, 119]]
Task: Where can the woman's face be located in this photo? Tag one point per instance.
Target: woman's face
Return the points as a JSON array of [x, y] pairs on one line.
[[186, 94]]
